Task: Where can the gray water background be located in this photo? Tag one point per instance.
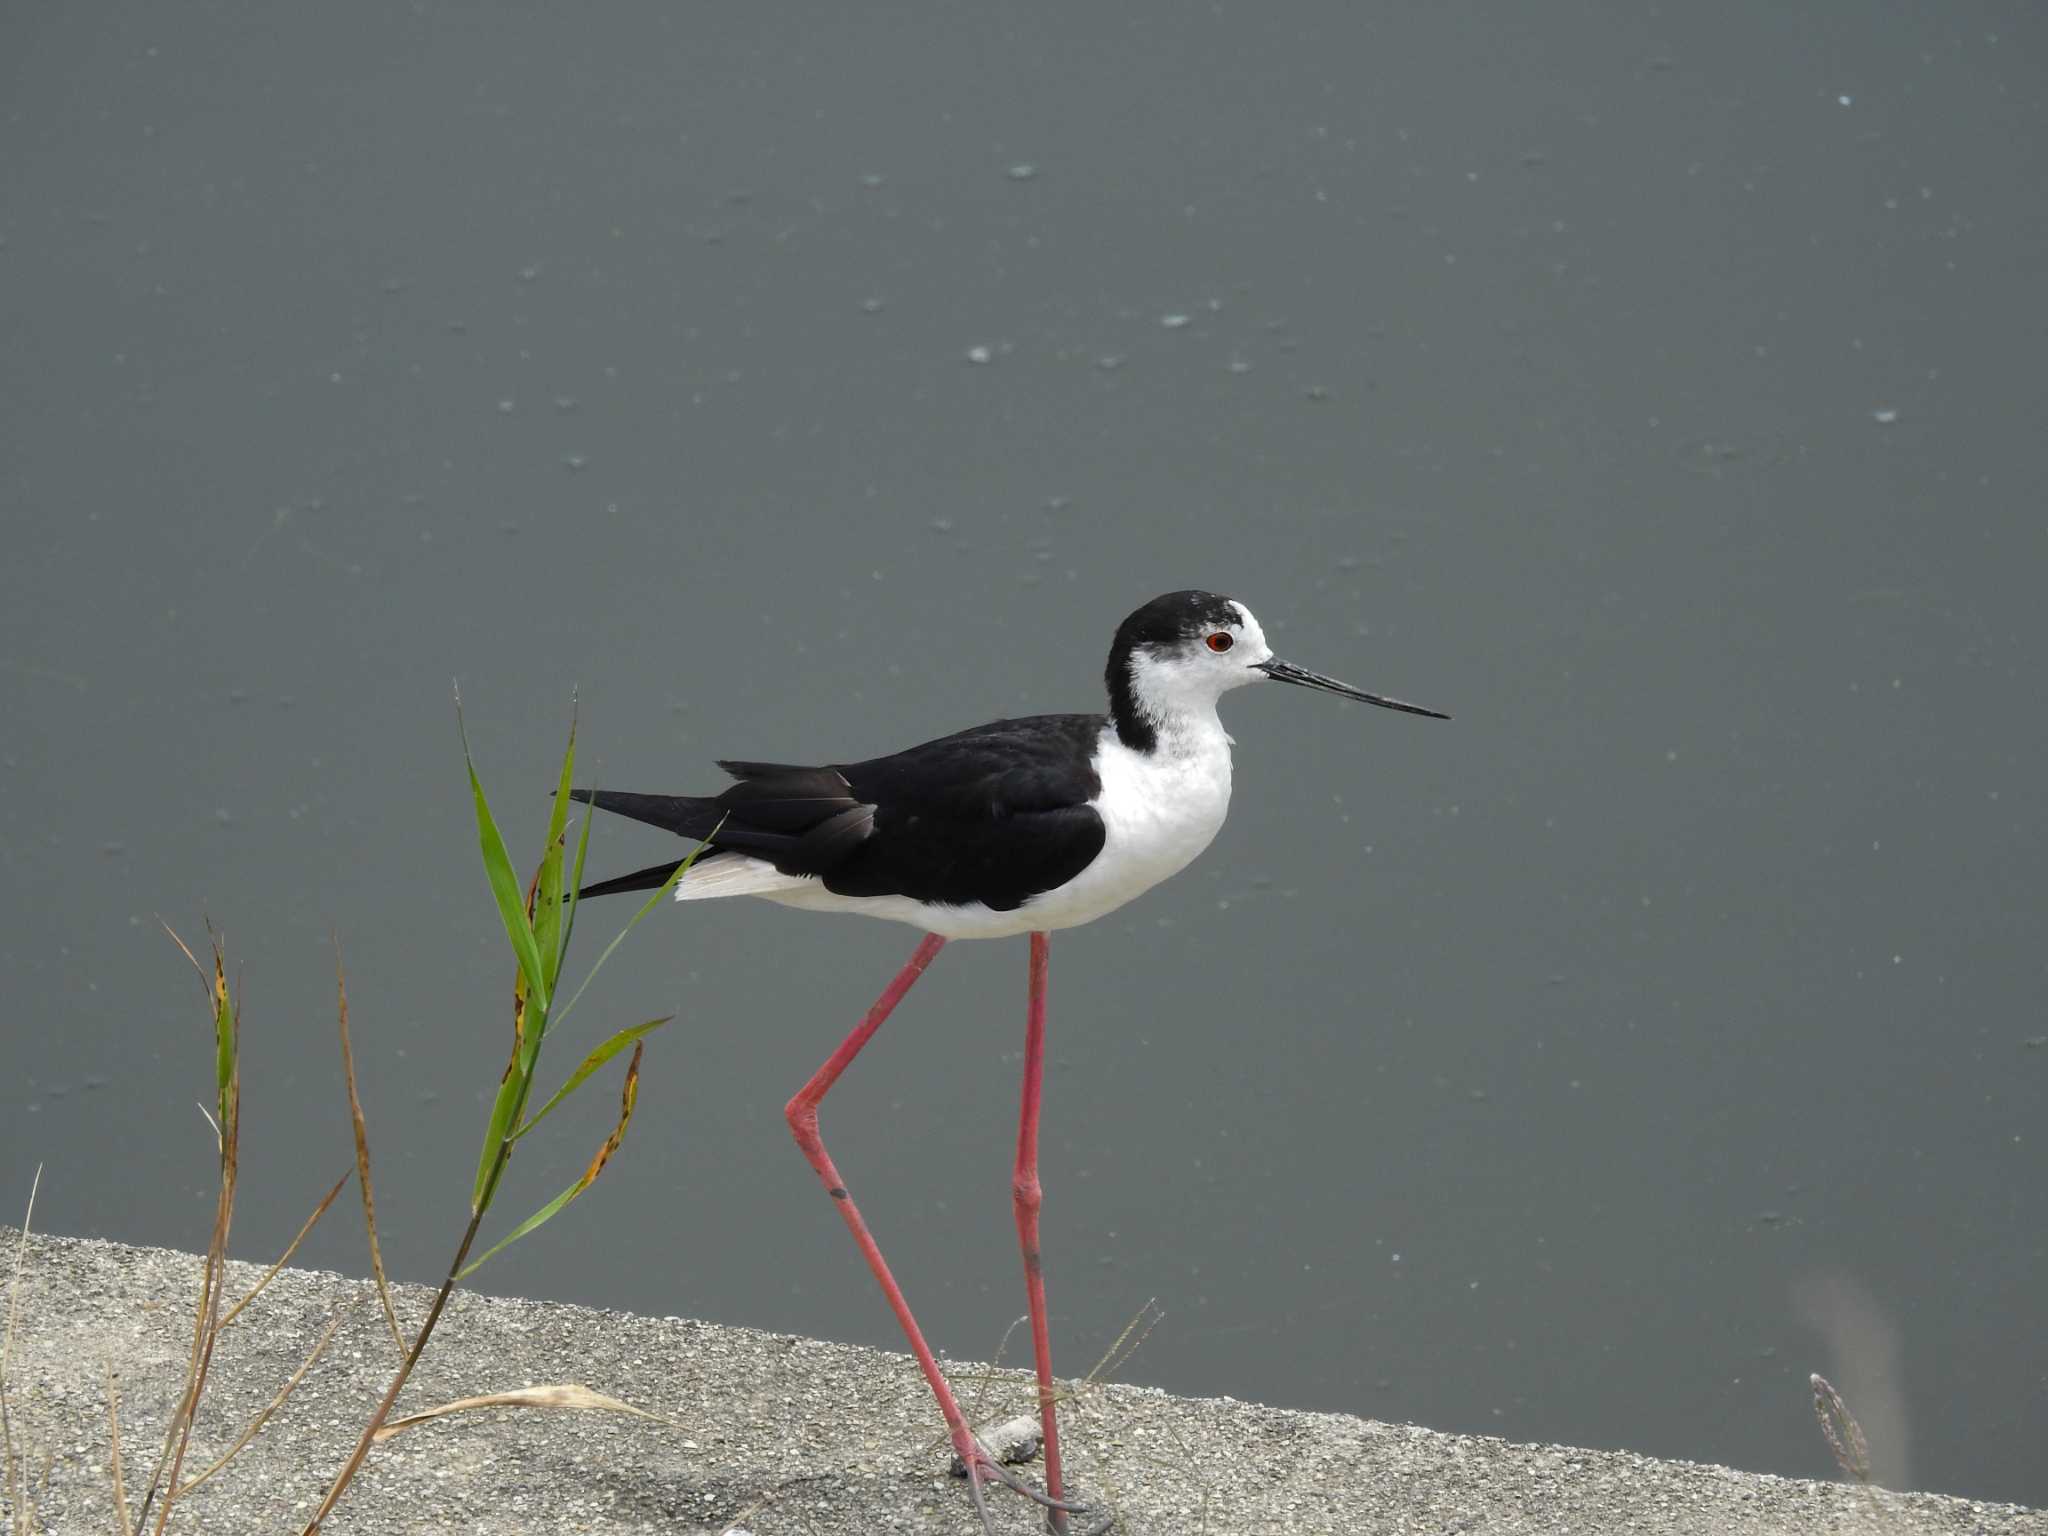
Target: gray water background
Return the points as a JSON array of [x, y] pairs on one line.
[[1659, 390]]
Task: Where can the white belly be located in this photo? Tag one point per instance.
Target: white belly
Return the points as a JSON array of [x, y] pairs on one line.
[[1158, 810]]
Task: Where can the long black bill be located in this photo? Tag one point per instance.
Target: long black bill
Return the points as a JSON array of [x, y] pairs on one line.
[[1288, 672]]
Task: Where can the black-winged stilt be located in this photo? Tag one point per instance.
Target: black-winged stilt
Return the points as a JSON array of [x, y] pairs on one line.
[[1018, 826]]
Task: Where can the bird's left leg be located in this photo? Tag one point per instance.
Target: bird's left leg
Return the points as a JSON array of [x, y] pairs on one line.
[[802, 1114], [1027, 1196]]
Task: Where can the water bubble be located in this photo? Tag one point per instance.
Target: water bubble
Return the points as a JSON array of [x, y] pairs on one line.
[[1884, 415], [1023, 171], [980, 354], [1173, 322]]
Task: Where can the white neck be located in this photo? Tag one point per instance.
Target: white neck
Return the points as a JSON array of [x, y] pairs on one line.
[[1180, 704]]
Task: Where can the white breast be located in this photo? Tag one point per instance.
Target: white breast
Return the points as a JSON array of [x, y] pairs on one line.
[[1159, 810]]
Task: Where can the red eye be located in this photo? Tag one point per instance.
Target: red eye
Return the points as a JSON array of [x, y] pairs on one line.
[[1220, 641]]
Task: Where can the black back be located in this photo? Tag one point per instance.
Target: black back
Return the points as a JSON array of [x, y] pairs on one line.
[[996, 814]]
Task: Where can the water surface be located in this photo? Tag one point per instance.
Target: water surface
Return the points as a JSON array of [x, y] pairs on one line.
[[1658, 393]]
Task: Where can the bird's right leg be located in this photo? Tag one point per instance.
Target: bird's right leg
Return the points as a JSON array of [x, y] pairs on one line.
[[802, 1114]]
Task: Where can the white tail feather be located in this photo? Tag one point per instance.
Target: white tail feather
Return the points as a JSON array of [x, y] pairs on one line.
[[736, 876]]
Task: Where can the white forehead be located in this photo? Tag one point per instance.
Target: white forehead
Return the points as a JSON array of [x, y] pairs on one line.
[[1250, 625]]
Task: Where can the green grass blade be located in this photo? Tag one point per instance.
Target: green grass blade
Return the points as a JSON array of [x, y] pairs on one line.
[[512, 1091], [544, 1214], [591, 1063], [646, 907], [514, 1088], [225, 1044], [628, 1096], [547, 905], [505, 884], [570, 896]]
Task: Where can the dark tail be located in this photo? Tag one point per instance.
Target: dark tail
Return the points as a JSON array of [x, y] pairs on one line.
[[680, 814], [684, 815], [649, 879], [801, 823]]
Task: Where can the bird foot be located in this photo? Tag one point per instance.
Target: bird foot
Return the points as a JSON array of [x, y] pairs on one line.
[[1012, 1442], [980, 1460]]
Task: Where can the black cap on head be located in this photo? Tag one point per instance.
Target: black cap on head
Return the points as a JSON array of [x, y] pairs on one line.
[[1171, 618]]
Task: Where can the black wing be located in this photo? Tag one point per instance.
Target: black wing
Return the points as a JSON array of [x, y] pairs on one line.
[[997, 815]]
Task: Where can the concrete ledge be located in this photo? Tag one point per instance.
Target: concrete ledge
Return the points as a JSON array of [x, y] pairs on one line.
[[770, 1434]]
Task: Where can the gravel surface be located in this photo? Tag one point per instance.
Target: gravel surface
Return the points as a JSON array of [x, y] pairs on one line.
[[762, 1433]]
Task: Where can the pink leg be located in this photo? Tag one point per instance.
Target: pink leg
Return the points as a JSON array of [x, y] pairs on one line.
[[1028, 1196], [802, 1114]]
